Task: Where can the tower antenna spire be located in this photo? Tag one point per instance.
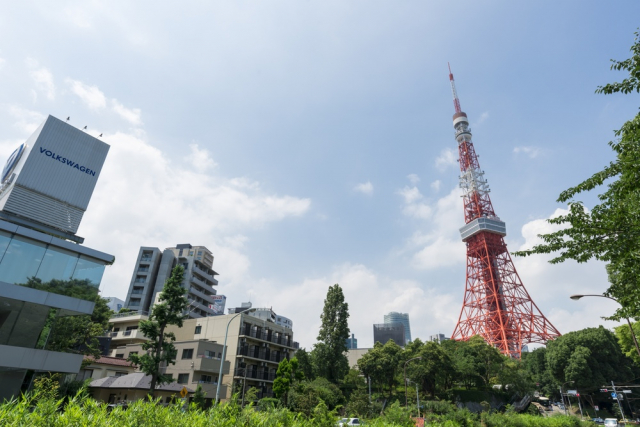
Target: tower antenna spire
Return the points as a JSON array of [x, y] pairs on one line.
[[456, 101]]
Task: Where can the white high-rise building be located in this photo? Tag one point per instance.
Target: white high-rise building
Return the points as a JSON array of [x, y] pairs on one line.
[[395, 317]]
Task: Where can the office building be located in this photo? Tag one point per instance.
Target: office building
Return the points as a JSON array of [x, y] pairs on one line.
[[45, 271], [352, 342], [389, 331], [153, 269], [403, 318], [438, 338], [264, 313], [114, 304]]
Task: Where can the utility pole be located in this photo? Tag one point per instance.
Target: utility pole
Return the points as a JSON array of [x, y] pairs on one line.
[[618, 399], [418, 400]]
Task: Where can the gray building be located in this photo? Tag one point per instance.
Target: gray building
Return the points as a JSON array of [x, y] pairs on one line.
[[438, 338], [266, 314], [45, 272], [153, 268], [389, 331], [395, 317]]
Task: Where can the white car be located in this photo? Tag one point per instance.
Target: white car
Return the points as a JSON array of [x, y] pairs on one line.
[[610, 422], [349, 422]]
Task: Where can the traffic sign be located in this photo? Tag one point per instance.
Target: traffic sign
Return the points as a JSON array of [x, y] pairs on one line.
[[626, 391], [596, 408], [614, 395], [184, 392], [603, 390]]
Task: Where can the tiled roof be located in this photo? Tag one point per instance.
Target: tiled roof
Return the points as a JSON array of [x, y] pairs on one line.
[[107, 360], [137, 380]]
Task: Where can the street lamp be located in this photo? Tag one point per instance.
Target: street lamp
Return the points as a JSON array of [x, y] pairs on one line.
[[562, 397], [224, 352], [633, 335], [406, 399]]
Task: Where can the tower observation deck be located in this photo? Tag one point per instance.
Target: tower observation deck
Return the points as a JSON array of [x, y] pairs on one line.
[[496, 304]]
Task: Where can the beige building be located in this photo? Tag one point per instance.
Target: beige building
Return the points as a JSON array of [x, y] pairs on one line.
[[255, 347], [354, 354], [105, 367]]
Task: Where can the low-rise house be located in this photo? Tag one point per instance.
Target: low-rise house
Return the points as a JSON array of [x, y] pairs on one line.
[[131, 387], [104, 367]]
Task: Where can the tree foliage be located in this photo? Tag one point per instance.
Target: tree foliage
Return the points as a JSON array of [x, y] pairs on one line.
[[626, 340], [159, 346], [610, 231], [287, 373], [329, 358]]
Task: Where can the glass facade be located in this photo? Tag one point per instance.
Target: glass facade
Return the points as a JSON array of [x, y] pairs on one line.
[[27, 262]]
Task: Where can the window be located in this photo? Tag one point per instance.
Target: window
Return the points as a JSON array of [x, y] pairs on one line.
[[198, 329], [140, 279], [134, 302], [121, 373], [187, 353], [183, 378], [120, 355], [205, 378], [190, 253]]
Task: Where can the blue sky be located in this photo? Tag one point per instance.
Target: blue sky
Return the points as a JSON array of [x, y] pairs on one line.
[[310, 143]]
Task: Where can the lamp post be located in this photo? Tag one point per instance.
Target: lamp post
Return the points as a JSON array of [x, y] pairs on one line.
[[633, 335], [406, 399], [562, 396], [224, 352]]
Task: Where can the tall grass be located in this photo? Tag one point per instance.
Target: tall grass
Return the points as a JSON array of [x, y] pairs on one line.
[[38, 409]]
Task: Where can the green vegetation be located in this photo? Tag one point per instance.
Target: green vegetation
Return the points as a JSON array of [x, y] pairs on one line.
[[159, 347], [610, 231], [43, 408]]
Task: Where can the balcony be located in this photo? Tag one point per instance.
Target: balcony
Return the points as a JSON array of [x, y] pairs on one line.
[[193, 304], [206, 364], [205, 274], [133, 335], [204, 285], [253, 373], [202, 295], [268, 336], [261, 354]]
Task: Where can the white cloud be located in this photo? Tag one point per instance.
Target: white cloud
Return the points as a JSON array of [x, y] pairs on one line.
[[435, 185], [413, 179], [27, 120], [201, 160], [131, 115], [2, 62], [410, 194], [90, 95], [446, 158], [531, 152], [369, 297], [364, 188], [143, 197], [484, 116], [43, 78]]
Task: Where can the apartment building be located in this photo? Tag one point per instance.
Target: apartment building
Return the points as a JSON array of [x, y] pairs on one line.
[[153, 268], [255, 347]]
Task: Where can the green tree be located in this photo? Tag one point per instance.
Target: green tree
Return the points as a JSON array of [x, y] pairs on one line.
[[159, 346], [626, 340], [199, 397], [305, 364], [590, 357], [432, 370], [610, 231], [381, 363], [330, 360], [287, 373]]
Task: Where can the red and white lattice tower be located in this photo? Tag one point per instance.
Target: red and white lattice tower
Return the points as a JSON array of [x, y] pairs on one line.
[[496, 304]]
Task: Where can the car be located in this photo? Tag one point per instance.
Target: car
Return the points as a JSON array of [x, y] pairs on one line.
[[349, 422], [597, 420], [611, 422]]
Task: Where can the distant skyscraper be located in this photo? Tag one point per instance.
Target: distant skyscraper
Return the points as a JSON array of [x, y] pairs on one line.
[[438, 338], [389, 331], [153, 268], [403, 318], [352, 343]]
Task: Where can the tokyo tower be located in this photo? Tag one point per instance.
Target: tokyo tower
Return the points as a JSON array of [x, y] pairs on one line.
[[496, 304]]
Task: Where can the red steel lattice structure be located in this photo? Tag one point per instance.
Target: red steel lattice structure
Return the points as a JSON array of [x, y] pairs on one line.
[[496, 304]]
